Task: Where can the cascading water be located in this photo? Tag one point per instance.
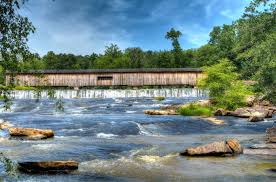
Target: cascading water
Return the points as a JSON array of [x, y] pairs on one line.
[[111, 93]]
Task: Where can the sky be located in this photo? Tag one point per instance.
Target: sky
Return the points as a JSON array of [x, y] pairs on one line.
[[87, 26]]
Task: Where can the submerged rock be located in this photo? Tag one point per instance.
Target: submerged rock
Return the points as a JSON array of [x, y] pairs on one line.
[[161, 112], [271, 134], [223, 148], [48, 166], [31, 133]]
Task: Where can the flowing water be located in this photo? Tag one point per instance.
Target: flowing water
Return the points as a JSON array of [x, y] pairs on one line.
[[114, 140]]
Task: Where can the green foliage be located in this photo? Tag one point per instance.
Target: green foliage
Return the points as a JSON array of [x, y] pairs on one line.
[[195, 110], [7, 101], [9, 165], [219, 79], [225, 90], [267, 81], [234, 96], [14, 32], [159, 98]]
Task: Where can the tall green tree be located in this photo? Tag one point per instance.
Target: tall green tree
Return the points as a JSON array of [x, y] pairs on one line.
[[174, 35]]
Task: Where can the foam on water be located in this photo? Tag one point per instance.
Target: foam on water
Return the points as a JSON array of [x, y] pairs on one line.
[[115, 93], [106, 135]]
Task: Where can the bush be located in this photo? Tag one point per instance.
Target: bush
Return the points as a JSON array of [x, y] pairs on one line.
[[225, 90], [234, 97], [195, 110]]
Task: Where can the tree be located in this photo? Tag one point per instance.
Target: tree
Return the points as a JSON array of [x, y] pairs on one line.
[[174, 35], [224, 88], [113, 51], [14, 33], [136, 56]]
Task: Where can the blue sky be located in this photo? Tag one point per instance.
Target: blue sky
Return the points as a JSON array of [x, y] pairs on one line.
[[86, 26]]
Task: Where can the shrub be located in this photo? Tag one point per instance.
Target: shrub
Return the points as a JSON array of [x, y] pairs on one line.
[[195, 110], [225, 90]]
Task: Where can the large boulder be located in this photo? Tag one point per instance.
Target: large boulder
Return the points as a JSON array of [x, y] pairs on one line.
[[223, 148], [31, 133], [161, 112], [48, 166], [271, 134]]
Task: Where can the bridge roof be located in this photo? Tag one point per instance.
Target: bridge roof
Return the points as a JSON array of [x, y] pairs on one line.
[[148, 70]]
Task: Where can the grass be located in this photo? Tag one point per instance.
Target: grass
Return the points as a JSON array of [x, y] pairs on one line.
[[159, 98], [195, 110]]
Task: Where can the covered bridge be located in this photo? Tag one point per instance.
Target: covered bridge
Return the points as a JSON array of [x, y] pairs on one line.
[[109, 77]]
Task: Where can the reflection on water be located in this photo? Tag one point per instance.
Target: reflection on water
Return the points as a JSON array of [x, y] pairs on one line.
[[114, 141]]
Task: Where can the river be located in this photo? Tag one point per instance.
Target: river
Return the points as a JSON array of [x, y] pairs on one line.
[[108, 133]]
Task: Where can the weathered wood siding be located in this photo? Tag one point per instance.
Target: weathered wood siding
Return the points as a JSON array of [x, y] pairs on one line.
[[112, 79]]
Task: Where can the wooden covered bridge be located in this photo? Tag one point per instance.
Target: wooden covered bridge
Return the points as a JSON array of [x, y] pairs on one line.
[[110, 77]]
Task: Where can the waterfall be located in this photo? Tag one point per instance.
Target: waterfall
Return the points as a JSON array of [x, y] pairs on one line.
[[111, 93]]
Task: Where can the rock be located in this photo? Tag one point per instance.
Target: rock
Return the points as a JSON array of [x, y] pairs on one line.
[[31, 133], [223, 148], [240, 112], [271, 134], [255, 119], [220, 112], [270, 113], [235, 146], [214, 120], [265, 103], [260, 112], [48, 166], [161, 112]]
